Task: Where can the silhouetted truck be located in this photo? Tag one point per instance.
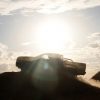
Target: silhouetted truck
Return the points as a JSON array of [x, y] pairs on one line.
[[47, 77], [51, 60]]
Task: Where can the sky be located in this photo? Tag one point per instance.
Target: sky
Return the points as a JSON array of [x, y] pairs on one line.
[[32, 27]]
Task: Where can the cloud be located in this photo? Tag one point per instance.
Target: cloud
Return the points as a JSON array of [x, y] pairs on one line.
[[94, 40], [44, 6], [94, 36], [26, 43], [8, 58], [3, 50], [94, 45]]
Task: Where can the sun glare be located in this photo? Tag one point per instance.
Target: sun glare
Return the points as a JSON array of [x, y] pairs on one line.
[[53, 35]]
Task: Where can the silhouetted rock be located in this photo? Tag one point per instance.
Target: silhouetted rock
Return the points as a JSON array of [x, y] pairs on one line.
[[96, 76]]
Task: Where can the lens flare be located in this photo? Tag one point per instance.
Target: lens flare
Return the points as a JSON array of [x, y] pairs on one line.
[[45, 76]]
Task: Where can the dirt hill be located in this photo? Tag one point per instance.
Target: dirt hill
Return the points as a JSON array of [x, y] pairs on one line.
[[18, 86]]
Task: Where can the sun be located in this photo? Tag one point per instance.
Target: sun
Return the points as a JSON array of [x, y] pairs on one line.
[[53, 35]]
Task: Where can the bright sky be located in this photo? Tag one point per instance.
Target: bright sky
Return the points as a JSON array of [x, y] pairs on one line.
[[69, 27]]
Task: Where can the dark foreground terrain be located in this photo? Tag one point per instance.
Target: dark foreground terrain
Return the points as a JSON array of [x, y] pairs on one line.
[[17, 86], [96, 76]]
